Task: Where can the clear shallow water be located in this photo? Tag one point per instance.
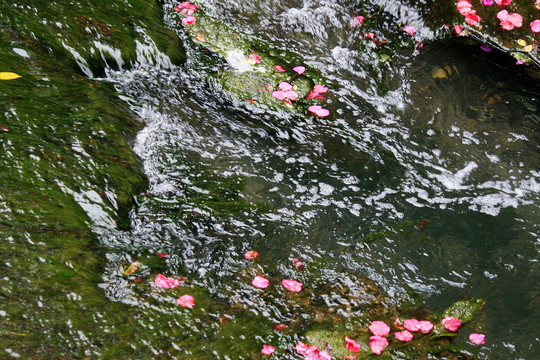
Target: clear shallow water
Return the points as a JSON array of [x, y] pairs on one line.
[[446, 137]]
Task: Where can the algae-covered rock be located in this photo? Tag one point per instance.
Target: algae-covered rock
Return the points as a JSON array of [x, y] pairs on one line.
[[68, 173], [93, 36], [249, 69], [435, 344]]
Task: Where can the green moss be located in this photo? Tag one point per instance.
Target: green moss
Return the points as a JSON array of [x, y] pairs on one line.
[[91, 36], [465, 310], [68, 171]]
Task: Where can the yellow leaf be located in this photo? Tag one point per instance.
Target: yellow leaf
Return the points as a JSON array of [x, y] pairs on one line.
[[522, 42], [440, 74], [8, 76], [132, 268], [528, 48]]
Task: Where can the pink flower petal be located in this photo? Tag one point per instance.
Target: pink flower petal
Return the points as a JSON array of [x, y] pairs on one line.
[[458, 29], [291, 94], [398, 324], [352, 345], [165, 282], [320, 89], [404, 335], [324, 355], [161, 255], [477, 339], [186, 301], [279, 327], [464, 7], [268, 349], [189, 20], [285, 86], [451, 323], [425, 327], [409, 30], [292, 285], [186, 7], [503, 2], [377, 344], [516, 19], [315, 95], [299, 69], [502, 15], [472, 19], [412, 324], [535, 26], [509, 21], [256, 59], [251, 255], [379, 328], [299, 265], [260, 282], [486, 48], [319, 111], [304, 349], [301, 348], [279, 68], [358, 21], [280, 95], [487, 2]]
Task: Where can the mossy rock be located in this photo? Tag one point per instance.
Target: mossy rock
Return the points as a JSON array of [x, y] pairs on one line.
[[239, 78], [93, 36], [436, 344]]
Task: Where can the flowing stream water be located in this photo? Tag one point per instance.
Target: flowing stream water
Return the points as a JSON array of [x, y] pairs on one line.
[[424, 179], [446, 140]]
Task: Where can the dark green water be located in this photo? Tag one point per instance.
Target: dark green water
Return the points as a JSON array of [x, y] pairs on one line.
[[425, 179]]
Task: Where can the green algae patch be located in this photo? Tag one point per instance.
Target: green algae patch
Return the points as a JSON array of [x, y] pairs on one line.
[[68, 170], [93, 36]]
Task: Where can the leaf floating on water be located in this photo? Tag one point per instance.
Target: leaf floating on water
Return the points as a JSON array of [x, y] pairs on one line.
[[132, 268], [8, 76], [440, 74], [225, 319]]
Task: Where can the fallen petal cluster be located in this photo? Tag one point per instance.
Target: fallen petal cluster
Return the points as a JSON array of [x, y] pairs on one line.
[[251, 255], [509, 21], [377, 344]]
